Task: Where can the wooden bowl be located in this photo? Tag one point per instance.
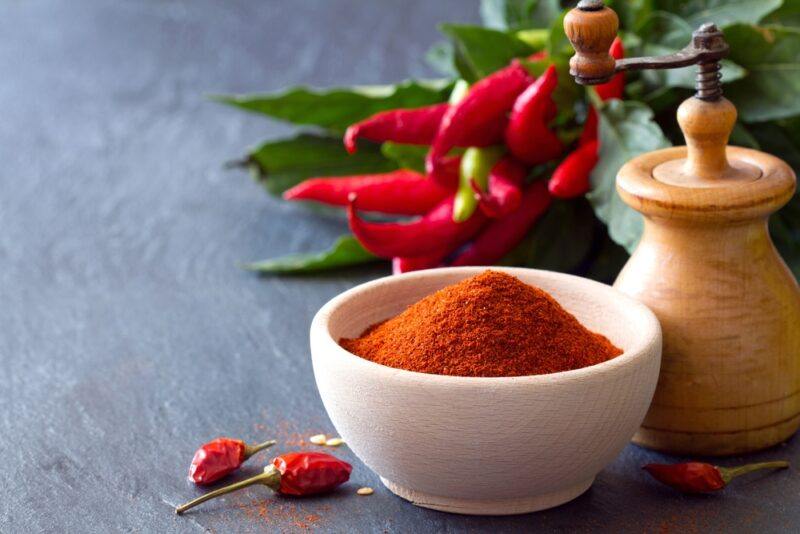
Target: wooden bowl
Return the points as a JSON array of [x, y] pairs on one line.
[[473, 445]]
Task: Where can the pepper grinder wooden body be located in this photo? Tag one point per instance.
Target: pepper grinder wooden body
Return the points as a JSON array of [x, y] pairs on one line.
[[728, 305]]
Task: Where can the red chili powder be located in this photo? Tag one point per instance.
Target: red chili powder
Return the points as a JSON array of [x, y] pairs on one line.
[[489, 325]]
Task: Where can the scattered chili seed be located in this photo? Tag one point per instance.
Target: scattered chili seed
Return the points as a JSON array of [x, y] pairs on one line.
[[334, 442], [318, 439], [365, 491]]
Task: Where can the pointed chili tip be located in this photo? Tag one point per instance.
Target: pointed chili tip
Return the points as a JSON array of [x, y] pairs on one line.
[[350, 137]]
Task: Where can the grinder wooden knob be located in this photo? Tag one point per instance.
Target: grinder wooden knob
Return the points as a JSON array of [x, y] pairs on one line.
[[591, 28]]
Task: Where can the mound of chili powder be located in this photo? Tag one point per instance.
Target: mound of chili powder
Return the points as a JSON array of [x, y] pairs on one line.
[[489, 325]]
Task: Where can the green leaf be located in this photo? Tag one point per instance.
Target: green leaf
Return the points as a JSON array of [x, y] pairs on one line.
[[345, 252], [519, 14], [631, 12], [772, 56], [406, 156], [786, 15], [558, 46], [336, 109], [627, 129], [720, 12], [441, 57], [481, 51], [281, 164], [664, 33]]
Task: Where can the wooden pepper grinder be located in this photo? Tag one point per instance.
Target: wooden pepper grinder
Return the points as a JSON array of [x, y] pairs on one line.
[[728, 305]]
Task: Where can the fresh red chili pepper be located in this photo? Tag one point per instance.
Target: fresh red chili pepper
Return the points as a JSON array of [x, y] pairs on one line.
[[589, 132], [401, 192], [614, 88], [503, 192], [528, 136], [480, 112], [698, 477], [416, 126], [426, 235], [447, 172], [571, 177], [405, 265], [295, 473], [503, 234], [220, 457]]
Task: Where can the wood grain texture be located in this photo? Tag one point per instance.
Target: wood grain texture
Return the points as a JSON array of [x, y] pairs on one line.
[[729, 306], [457, 443], [591, 34]]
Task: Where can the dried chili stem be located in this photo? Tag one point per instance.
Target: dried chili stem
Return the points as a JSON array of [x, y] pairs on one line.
[[729, 473], [250, 450], [271, 478]]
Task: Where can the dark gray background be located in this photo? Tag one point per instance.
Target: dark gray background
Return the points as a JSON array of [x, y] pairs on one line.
[[128, 336]]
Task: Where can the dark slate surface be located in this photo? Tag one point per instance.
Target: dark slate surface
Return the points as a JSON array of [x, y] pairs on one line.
[[127, 334]]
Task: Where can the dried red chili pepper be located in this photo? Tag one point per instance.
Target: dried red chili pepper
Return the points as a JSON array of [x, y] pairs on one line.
[[417, 126], [503, 234], [401, 192], [481, 112], [220, 457], [296, 473], [614, 88], [571, 177], [432, 233], [698, 477], [504, 191], [528, 137]]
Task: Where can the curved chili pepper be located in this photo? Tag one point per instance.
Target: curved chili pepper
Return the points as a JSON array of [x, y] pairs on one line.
[[589, 132], [615, 87], [699, 477], [417, 126], [219, 457], [502, 235], [503, 194], [571, 177], [405, 265], [528, 136], [426, 235], [476, 164], [401, 192], [295, 473], [480, 112]]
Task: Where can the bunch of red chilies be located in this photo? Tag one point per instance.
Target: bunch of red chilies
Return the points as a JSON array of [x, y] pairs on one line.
[[473, 208]]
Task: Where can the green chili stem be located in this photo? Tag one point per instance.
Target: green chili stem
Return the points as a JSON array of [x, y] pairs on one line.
[[271, 478], [250, 450], [729, 473]]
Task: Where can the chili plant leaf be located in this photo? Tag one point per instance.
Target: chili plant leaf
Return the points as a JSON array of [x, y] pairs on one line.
[[627, 129], [664, 33], [345, 252], [406, 156], [279, 165], [786, 15], [771, 54], [441, 58], [481, 51], [519, 14], [720, 12], [336, 109], [631, 12]]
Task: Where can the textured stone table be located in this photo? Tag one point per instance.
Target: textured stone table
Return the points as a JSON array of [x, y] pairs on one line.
[[127, 333]]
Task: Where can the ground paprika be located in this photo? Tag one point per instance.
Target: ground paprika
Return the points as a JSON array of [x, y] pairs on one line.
[[489, 325]]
